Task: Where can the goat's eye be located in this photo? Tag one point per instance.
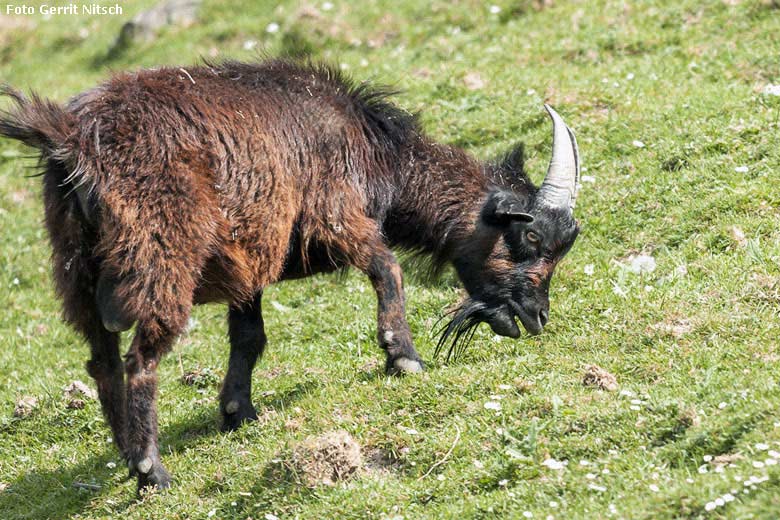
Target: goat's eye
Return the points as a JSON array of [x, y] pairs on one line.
[[532, 237]]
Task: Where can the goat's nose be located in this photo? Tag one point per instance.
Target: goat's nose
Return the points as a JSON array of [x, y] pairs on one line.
[[543, 317]]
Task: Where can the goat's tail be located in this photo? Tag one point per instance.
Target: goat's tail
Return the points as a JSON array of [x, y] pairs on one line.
[[37, 122]]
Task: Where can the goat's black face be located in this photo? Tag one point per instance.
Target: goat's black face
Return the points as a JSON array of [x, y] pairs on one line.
[[520, 235], [507, 266]]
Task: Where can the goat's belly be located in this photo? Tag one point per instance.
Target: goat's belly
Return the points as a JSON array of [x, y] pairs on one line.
[[318, 260]]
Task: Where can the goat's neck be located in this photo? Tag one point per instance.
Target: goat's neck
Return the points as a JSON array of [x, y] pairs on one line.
[[438, 205]]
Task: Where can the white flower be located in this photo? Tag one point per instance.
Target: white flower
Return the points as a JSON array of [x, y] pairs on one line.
[[642, 264], [772, 90], [741, 169], [761, 446], [111, 465], [589, 269], [596, 487], [272, 28], [554, 464], [494, 9], [271, 516], [710, 506], [653, 488], [638, 144], [722, 405], [503, 482], [584, 462], [707, 458], [758, 464], [588, 178], [528, 514], [703, 469], [492, 405], [250, 44], [553, 504], [504, 387], [728, 497], [630, 76], [327, 6], [591, 476]]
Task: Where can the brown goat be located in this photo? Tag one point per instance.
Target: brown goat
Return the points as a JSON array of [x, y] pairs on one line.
[[173, 186]]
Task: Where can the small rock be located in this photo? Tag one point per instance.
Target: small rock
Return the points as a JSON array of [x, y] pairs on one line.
[[327, 459], [25, 406], [600, 378], [145, 25]]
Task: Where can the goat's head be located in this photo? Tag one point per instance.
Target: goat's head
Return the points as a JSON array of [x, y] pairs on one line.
[[508, 262]]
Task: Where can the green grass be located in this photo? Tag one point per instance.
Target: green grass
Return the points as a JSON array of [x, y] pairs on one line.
[[685, 78]]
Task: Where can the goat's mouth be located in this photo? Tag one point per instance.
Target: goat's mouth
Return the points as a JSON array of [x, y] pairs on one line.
[[531, 321], [459, 331]]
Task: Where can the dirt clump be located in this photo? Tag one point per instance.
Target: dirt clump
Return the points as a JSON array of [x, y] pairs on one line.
[[327, 459], [599, 378], [25, 406]]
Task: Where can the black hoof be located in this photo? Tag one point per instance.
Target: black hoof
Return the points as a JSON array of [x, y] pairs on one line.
[[236, 412], [157, 477]]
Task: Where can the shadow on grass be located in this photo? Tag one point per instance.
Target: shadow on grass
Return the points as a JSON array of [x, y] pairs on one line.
[[50, 493]]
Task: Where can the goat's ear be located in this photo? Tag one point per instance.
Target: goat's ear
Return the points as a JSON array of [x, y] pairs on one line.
[[503, 207]]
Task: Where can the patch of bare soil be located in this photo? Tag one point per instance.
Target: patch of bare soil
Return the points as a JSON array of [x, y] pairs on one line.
[[327, 459]]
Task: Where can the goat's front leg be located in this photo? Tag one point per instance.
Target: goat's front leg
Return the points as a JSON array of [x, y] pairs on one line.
[[141, 362], [247, 341], [393, 330]]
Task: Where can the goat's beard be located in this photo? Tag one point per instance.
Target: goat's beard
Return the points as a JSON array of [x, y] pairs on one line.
[[459, 330]]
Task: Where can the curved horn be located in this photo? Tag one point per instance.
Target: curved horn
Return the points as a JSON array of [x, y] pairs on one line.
[[559, 188]]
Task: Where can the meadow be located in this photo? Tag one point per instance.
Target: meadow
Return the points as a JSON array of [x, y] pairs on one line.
[[677, 122]]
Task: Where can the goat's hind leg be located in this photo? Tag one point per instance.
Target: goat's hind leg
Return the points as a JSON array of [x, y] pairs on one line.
[[247, 341], [143, 455], [82, 311], [106, 369]]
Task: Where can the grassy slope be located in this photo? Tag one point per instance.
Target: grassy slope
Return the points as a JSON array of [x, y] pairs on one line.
[[694, 100]]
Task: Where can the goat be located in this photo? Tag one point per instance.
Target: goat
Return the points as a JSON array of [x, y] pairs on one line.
[[169, 187]]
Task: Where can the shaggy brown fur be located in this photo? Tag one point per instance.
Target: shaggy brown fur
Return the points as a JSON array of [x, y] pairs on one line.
[[169, 187]]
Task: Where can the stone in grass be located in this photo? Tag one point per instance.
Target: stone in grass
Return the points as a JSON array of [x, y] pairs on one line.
[[25, 406], [145, 25], [600, 378], [327, 459]]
